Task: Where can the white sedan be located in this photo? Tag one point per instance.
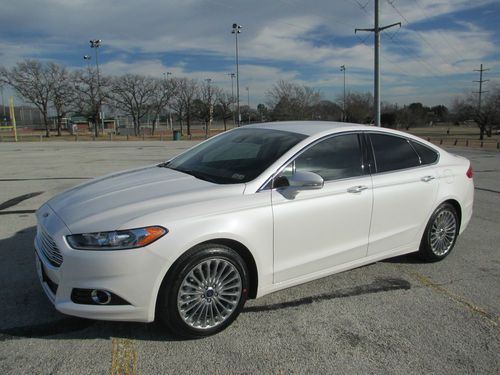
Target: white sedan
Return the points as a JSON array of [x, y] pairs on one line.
[[243, 214]]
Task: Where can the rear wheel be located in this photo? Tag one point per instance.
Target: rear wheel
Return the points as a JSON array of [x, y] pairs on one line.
[[205, 291], [440, 234]]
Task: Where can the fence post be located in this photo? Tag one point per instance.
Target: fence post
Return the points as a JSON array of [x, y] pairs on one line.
[[456, 140]]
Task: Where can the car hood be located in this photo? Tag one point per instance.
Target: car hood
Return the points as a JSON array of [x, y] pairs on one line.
[[108, 202]]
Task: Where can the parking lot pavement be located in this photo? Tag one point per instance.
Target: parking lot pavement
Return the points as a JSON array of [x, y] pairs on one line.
[[396, 316]]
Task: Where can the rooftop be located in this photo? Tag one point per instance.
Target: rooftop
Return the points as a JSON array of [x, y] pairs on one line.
[[308, 127]]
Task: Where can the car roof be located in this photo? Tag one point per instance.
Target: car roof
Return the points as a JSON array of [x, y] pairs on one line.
[[309, 127]]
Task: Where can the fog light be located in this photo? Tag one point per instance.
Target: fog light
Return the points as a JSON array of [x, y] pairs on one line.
[[101, 297]]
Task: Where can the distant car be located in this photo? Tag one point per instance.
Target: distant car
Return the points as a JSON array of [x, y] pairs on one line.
[[246, 213]]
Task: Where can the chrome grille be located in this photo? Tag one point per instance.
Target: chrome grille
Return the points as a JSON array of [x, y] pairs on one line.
[[48, 247]]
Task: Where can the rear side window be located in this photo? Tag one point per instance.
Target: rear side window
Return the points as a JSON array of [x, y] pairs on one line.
[[427, 155], [393, 153]]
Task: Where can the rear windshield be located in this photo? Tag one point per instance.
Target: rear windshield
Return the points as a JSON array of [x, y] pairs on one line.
[[237, 156]]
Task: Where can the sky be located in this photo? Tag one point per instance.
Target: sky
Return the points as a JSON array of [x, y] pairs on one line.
[[431, 59]]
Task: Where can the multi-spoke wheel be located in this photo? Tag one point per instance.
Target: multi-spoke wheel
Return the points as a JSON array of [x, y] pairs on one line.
[[440, 234], [204, 292]]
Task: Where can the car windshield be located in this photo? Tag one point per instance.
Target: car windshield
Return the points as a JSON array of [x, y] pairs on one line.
[[235, 157]]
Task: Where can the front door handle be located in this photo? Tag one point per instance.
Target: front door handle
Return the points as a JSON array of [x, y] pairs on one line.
[[427, 178], [356, 189]]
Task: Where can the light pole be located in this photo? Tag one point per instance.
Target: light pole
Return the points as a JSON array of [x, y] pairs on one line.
[[342, 69], [248, 102], [209, 107], [165, 76], [3, 106], [87, 58], [237, 30], [232, 75], [96, 43]]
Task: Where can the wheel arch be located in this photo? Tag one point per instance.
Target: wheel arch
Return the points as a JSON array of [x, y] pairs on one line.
[[241, 249], [457, 208]]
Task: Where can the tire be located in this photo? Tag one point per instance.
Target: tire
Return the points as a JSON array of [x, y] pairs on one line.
[[440, 234], [204, 292]]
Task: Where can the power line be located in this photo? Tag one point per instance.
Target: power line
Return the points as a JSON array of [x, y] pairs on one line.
[[443, 36], [418, 33]]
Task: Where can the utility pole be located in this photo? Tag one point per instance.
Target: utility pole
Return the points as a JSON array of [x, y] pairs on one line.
[[480, 92], [342, 69], [481, 80], [376, 30]]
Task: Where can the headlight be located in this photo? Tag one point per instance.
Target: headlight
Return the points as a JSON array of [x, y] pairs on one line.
[[116, 240]]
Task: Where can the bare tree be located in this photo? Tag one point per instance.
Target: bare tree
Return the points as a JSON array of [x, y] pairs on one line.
[[358, 107], [62, 95], [291, 101], [89, 94], [163, 94], [224, 106], [187, 92], [32, 81], [466, 108], [133, 94]]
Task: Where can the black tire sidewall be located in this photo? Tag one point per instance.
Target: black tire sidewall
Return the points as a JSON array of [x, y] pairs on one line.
[[425, 246], [168, 312]]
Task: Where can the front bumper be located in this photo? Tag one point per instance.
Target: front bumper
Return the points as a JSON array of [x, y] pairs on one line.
[[134, 275]]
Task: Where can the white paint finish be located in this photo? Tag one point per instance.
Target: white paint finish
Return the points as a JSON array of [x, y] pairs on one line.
[[320, 229], [292, 241], [402, 203]]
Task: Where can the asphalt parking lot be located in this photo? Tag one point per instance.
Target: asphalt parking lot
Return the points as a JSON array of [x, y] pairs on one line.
[[398, 316]]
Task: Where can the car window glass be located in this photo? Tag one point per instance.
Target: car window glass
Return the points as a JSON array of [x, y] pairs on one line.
[[334, 158], [427, 155], [236, 156], [230, 152], [393, 153]]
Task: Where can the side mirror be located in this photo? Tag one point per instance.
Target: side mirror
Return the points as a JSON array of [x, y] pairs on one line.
[[300, 180]]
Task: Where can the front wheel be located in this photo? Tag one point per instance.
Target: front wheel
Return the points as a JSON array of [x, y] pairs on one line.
[[440, 233], [205, 291]]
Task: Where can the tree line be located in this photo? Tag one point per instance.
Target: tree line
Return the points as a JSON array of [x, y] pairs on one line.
[[84, 92]]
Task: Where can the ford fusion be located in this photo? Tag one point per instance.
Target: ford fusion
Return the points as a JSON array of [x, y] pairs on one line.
[[246, 213]]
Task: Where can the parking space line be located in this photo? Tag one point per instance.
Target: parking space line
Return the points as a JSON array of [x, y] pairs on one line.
[[425, 281], [123, 357]]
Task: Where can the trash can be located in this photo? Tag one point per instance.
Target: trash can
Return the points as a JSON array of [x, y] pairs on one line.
[[177, 135]]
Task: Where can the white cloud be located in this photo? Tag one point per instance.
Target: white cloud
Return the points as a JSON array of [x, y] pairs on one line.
[[301, 40]]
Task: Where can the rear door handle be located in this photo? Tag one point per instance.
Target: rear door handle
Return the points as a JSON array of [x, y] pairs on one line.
[[356, 189], [427, 178]]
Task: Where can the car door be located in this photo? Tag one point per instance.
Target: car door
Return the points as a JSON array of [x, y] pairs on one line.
[[316, 230], [404, 194]]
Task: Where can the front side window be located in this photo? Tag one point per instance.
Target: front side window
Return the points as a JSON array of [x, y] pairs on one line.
[[393, 153], [237, 156], [334, 158]]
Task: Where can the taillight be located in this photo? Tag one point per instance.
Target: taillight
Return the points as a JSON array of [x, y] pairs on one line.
[[469, 172]]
